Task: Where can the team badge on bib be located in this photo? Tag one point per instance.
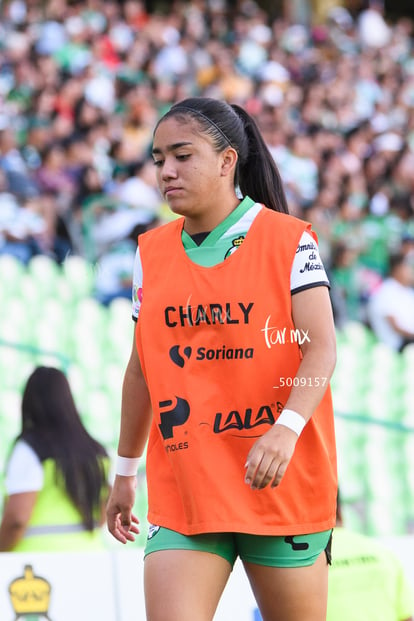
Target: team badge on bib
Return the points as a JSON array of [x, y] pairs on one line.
[[235, 243], [152, 531]]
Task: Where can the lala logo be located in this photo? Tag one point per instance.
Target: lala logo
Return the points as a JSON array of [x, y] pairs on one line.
[[30, 596]]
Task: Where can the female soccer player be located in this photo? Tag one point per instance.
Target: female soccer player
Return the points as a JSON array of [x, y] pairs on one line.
[[233, 350]]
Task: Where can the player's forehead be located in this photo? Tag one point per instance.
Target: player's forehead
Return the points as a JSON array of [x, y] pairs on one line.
[[173, 132]]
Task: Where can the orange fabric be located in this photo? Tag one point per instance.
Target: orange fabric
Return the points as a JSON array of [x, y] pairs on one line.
[[211, 367]]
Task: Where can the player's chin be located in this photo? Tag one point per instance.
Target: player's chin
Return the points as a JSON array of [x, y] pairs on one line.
[[179, 207]]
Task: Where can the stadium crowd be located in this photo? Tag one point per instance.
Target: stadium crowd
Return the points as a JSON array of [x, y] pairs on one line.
[[82, 85]]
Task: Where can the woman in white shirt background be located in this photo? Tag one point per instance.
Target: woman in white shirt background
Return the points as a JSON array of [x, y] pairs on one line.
[[56, 475]]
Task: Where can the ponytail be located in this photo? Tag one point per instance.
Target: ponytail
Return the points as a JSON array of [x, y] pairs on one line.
[[257, 175]]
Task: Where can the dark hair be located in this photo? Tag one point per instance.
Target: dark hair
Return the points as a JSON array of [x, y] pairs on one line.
[[395, 260], [257, 175], [51, 425]]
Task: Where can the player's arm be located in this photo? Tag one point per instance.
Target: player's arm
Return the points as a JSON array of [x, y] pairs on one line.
[[269, 457], [136, 417], [312, 316], [136, 412]]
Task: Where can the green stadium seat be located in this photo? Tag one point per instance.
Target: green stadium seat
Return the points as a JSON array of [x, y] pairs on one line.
[[79, 275], [45, 272], [11, 272]]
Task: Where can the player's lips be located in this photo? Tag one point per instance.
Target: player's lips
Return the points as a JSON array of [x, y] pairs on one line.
[[171, 190]]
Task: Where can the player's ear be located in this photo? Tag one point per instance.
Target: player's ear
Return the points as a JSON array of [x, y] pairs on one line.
[[229, 161]]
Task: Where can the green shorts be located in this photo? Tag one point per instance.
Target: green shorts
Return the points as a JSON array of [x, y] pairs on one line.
[[272, 551]]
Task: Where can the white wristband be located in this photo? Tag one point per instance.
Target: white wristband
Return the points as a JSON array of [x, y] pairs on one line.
[[126, 466], [292, 420]]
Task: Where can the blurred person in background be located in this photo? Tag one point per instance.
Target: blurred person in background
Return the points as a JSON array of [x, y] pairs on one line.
[[115, 266], [345, 291], [22, 227], [366, 580], [373, 30], [19, 177], [52, 175], [33, 227], [390, 308], [56, 476]]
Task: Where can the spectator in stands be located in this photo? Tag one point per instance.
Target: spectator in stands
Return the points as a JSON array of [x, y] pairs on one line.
[[114, 269], [53, 177], [299, 170], [345, 288], [366, 580], [390, 309], [56, 239], [56, 478], [373, 30], [22, 228], [18, 175], [138, 190], [407, 247]]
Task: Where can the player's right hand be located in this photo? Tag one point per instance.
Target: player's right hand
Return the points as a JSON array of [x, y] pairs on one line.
[[121, 522]]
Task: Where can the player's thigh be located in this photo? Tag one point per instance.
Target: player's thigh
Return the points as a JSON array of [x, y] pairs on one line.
[[184, 585], [290, 593]]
